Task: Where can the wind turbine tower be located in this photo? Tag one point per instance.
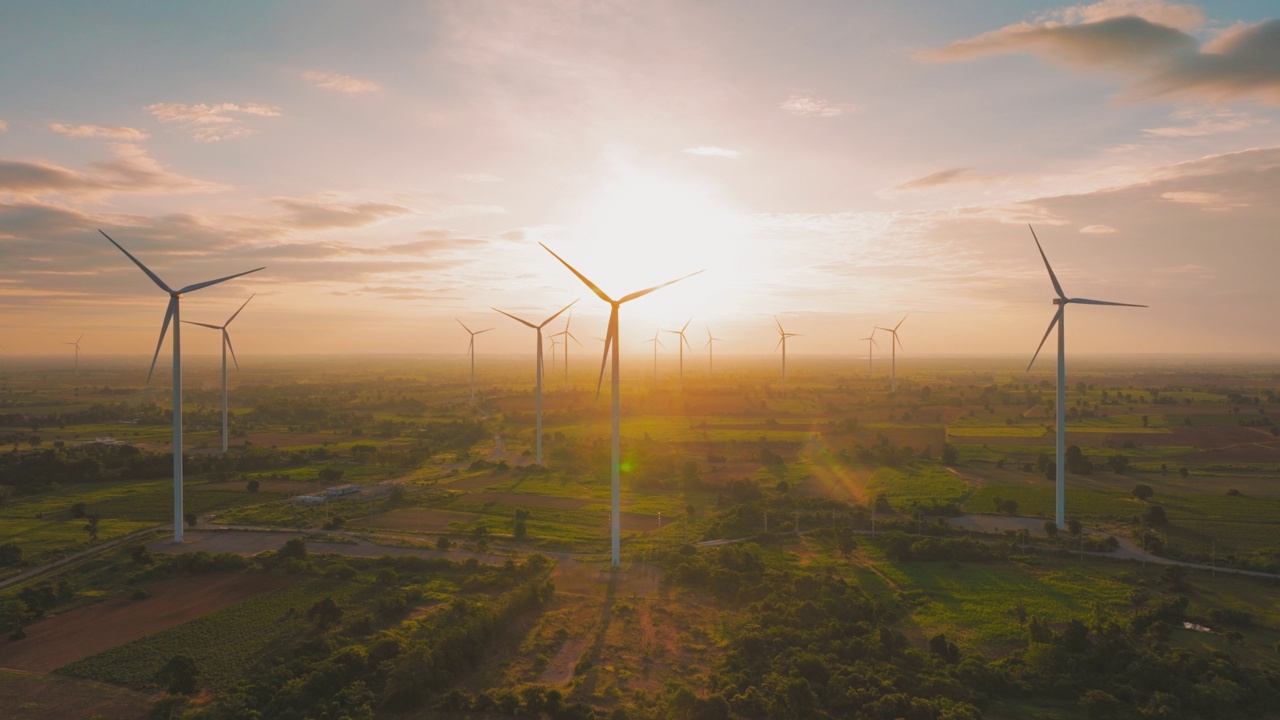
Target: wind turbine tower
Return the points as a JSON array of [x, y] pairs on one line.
[[657, 343], [471, 353], [538, 329], [565, 336], [782, 343], [1059, 319], [77, 345], [894, 344], [871, 342], [611, 343], [173, 314], [226, 345], [711, 351], [681, 343]]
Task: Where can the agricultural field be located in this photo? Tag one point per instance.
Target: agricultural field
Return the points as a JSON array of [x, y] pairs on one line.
[[1176, 465]]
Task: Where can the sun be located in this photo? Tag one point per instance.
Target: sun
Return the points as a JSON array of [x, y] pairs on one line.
[[641, 228]]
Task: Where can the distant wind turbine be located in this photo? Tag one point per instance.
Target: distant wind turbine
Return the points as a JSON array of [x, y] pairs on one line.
[[894, 344], [656, 344], [782, 343], [471, 353], [77, 344], [226, 345], [538, 328], [1059, 319], [681, 344], [711, 351], [173, 314], [611, 343], [871, 342], [565, 336]]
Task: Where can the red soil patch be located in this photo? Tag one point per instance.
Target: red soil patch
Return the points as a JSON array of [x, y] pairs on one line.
[[81, 633]]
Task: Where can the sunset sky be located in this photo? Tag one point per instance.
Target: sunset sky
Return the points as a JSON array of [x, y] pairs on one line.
[[839, 164]]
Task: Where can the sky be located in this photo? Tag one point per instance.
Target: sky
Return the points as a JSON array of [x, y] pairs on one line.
[[838, 165]]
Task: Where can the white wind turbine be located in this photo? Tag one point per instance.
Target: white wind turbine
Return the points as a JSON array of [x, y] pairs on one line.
[[471, 353], [894, 344], [656, 344], [711, 351], [173, 314], [1059, 319], [226, 345], [538, 328], [782, 343], [77, 344], [565, 336], [871, 342], [681, 344], [611, 343]]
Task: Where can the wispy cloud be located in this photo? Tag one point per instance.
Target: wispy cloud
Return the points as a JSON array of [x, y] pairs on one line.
[[339, 83], [131, 171], [211, 123], [118, 132], [811, 106], [480, 177], [1210, 201], [1148, 42], [942, 177], [330, 213], [1199, 122], [1097, 229], [713, 151]]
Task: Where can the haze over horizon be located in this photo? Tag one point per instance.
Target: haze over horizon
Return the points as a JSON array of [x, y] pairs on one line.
[[837, 165]]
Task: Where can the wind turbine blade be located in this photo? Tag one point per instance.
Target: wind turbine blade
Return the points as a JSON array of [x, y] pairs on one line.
[[904, 319], [553, 317], [211, 327], [779, 322], [685, 340], [780, 339], [237, 312], [873, 341], [481, 332], [686, 325], [566, 332], [1056, 317], [164, 328], [1054, 278], [226, 336], [895, 339], [464, 326], [207, 283], [513, 317], [642, 293], [599, 293], [1084, 301], [77, 342], [610, 337], [154, 278]]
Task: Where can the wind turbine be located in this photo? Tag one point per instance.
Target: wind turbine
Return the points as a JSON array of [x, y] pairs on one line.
[[173, 314], [565, 336], [538, 328], [656, 344], [681, 343], [894, 344], [226, 345], [871, 342], [1059, 319], [77, 344], [782, 343], [711, 351], [611, 342], [471, 353]]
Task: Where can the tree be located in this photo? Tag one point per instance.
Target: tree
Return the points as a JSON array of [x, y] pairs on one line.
[[1076, 462], [1074, 527], [1155, 516], [190, 518], [92, 527], [325, 613], [253, 486], [1183, 471], [78, 510], [845, 542], [1118, 463], [1142, 492], [10, 554], [179, 675], [949, 454], [331, 474], [1051, 528], [295, 548]]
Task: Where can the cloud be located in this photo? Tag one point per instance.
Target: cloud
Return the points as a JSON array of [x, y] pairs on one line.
[[942, 177], [1203, 121], [480, 177], [3, 126], [99, 131], [339, 83], [712, 151], [810, 106], [1097, 229], [211, 123], [324, 213], [1210, 201], [1149, 44], [131, 171]]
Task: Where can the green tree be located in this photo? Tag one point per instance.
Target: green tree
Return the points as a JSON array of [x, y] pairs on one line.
[[179, 675], [253, 486], [325, 613], [92, 527], [949, 454], [1051, 528], [1142, 492]]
